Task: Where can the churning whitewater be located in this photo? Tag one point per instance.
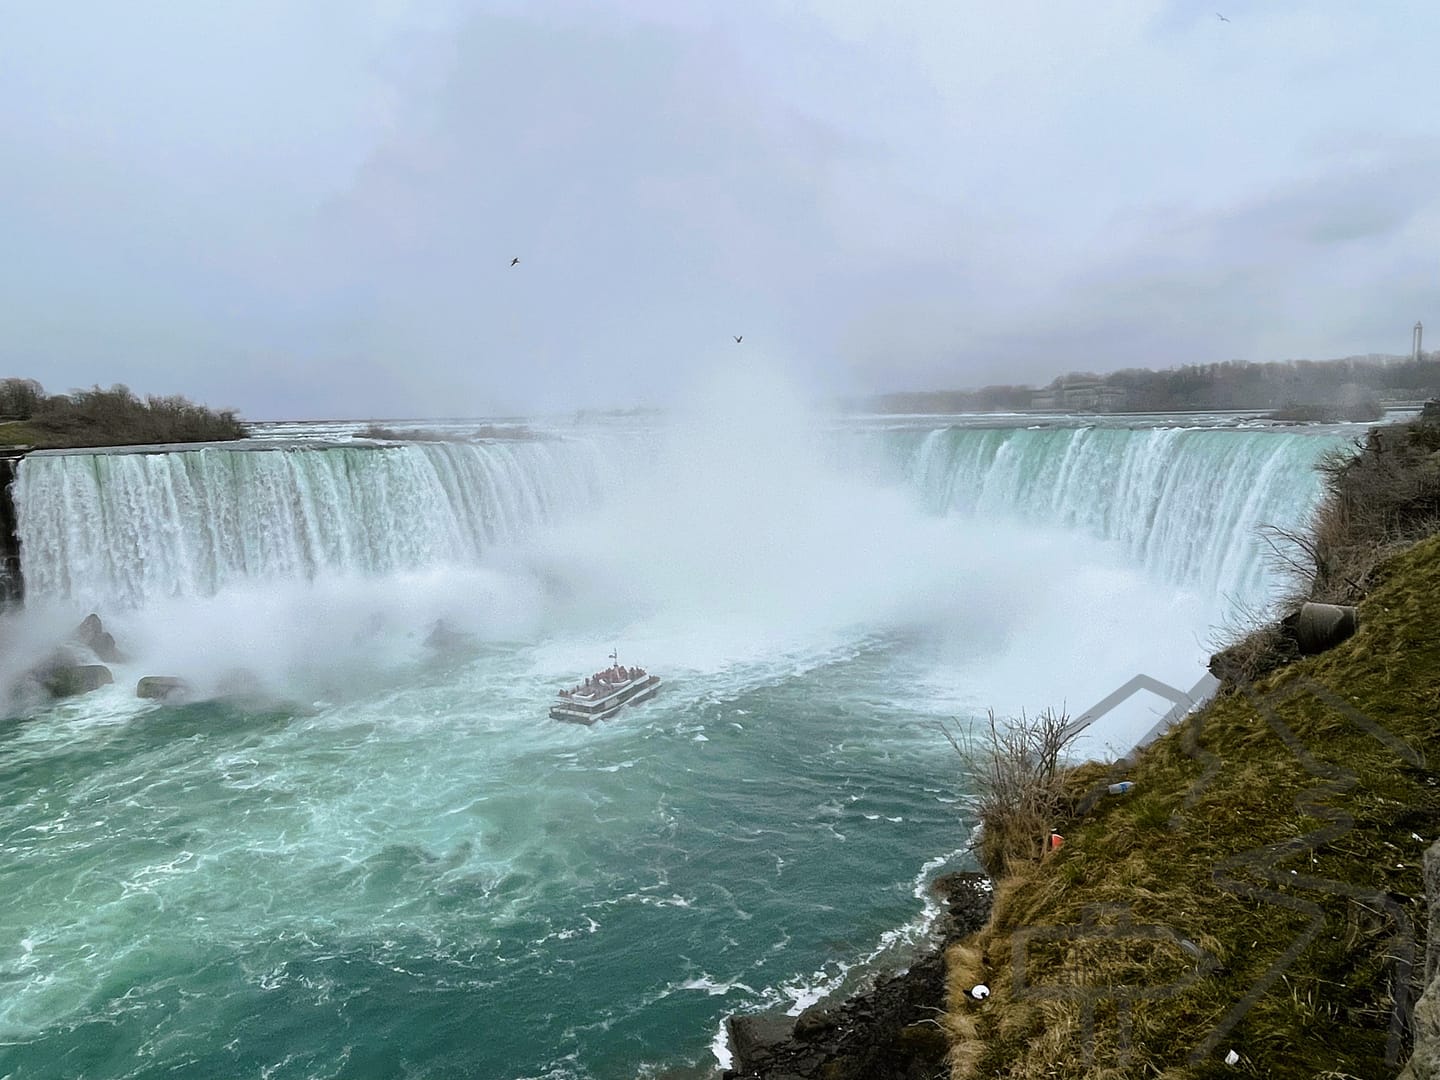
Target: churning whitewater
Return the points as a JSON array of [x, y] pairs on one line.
[[382, 859]]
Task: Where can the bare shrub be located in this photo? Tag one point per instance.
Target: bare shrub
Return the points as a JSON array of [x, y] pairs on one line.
[[1380, 497], [1016, 769], [116, 417], [1251, 643], [19, 398]]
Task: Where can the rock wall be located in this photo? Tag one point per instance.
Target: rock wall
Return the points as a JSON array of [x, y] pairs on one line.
[[12, 585], [1425, 1023]]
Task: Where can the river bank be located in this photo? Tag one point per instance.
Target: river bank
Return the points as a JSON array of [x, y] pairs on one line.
[[890, 1032], [1256, 903]]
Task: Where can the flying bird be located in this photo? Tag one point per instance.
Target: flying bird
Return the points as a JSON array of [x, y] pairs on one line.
[[1221, 17], [739, 339], [515, 261]]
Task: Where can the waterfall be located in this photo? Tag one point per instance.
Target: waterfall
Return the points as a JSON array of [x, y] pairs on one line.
[[123, 528], [1187, 503]]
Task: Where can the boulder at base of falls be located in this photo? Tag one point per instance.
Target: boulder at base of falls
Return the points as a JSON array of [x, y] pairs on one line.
[[241, 685], [67, 680], [162, 688], [92, 634], [444, 638]]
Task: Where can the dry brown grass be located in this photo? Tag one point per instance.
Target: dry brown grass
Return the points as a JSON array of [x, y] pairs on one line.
[[964, 968]]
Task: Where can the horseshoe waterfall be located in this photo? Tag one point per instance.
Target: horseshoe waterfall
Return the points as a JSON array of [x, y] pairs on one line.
[[360, 848]]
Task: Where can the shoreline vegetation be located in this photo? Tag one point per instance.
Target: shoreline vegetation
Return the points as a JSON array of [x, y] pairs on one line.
[[1254, 903], [1354, 389], [32, 419]]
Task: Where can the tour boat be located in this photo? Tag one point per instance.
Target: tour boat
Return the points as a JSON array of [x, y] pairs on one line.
[[604, 694]]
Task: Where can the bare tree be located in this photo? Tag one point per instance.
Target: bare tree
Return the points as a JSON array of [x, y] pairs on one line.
[[19, 398], [1015, 769]]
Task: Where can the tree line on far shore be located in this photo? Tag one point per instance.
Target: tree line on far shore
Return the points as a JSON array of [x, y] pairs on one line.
[[1303, 387], [113, 417]]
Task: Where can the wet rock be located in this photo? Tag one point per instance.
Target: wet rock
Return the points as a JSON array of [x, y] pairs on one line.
[[813, 1022], [162, 688], [69, 680], [887, 1033], [755, 1038], [446, 639], [968, 897], [92, 634]]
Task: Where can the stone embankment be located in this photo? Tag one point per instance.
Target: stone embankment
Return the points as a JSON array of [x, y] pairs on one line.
[[891, 1032]]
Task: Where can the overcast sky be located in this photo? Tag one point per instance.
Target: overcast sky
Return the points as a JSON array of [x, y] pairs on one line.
[[307, 208]]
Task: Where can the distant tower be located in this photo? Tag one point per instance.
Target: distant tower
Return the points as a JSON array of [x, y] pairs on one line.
[[1415, 345]]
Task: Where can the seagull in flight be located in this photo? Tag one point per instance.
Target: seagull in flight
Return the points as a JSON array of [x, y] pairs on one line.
[[1221, 17], [515, 261], [738, 339]]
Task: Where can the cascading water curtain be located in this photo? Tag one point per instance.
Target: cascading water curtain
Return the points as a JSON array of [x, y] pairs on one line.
[[125, 527], [1186, 503]]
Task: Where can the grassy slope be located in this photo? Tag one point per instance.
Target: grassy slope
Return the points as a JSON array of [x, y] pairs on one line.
[[1281, 833], [19, 433]]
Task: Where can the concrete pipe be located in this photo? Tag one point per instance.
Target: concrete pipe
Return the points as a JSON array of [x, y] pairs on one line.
[[1318, 627]]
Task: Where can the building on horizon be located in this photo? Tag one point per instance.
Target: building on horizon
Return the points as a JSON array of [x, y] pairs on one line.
[[1080, 395], [1417, 342]]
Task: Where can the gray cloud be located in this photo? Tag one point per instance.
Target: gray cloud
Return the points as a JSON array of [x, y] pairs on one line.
[[1310, 270], [312, 212]]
